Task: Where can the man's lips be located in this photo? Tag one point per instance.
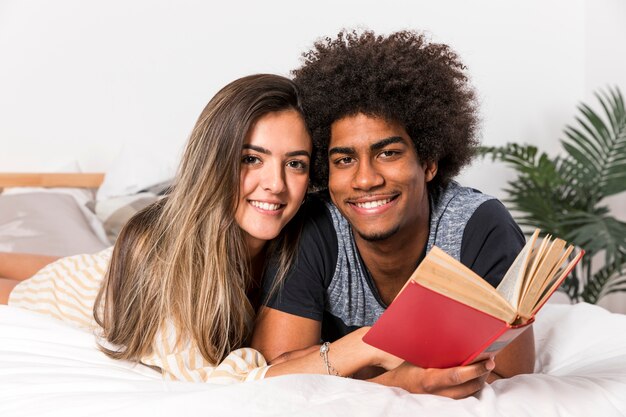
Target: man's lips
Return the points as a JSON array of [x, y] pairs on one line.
[[372, 202]]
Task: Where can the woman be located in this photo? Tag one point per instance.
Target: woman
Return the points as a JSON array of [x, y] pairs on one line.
[[189, 292]]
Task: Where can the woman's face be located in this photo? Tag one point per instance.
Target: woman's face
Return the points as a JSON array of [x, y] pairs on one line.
[[274, 175]]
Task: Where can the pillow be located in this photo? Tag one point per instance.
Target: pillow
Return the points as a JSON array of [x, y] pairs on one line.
[[116, 211], [45, 223], [84, 199]]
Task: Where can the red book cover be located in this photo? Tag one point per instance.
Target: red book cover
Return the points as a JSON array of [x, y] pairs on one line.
[[431, 330]]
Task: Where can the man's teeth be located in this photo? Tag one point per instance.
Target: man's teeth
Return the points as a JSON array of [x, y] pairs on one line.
[[373, 204], [265, 206]]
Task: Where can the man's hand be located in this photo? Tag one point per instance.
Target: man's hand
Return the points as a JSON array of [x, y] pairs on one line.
[[458, 382]]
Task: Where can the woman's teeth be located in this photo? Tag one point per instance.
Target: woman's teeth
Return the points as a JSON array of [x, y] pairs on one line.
[[265, 206]]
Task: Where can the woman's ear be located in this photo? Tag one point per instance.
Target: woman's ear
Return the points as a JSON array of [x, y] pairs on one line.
[[430, 170]]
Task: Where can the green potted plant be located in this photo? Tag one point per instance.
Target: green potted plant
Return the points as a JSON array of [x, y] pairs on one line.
[[565, 195]]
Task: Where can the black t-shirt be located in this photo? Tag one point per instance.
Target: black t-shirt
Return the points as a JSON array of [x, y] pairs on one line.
[[490, 243]]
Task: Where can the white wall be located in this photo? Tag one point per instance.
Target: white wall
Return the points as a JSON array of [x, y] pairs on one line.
[[86, 80], [79, 78], [605, 65]]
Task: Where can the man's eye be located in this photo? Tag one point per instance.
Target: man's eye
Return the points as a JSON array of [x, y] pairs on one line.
[[250, 160], [344, 161], [388, 154]]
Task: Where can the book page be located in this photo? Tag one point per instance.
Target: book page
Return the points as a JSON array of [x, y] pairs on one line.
[[535, 260], [535, 274], [443, 274], [552, 276], [510, 287], [552, 287], [550, 263]]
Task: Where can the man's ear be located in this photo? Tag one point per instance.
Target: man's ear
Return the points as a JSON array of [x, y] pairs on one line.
[[430, 170]]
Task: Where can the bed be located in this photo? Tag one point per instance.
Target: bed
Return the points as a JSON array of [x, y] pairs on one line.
[[48, 368]]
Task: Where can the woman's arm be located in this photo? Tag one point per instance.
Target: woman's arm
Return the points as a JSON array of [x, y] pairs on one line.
[[21, 266], [350, 354], [295, 349], [6, 286], [17, 267], [345, 357]]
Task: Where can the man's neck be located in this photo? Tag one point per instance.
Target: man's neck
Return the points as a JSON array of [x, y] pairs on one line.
[[392, 261]]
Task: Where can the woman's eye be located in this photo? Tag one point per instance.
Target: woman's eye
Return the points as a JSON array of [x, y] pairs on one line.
[[250, 160], [296, 164]]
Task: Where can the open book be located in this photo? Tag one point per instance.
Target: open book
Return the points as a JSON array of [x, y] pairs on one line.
[[446, 315]]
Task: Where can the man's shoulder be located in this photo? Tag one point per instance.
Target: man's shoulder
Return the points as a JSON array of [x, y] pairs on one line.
[[479, 210], [456, 196], [453, 205], [493, 219], [491, 241]]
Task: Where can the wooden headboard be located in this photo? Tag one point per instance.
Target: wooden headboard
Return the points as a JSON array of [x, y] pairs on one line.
[[74, 180]]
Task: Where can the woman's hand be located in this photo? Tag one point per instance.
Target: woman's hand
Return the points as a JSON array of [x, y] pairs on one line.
[[287, 356]]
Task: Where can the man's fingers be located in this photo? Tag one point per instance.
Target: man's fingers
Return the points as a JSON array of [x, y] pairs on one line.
[[458, 382], [442, 379], [462, 374], [466, 389]]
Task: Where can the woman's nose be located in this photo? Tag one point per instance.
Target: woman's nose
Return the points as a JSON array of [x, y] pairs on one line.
[[273, 179]]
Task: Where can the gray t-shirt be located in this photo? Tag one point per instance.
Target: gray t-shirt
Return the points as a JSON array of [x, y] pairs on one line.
[[330, 283]]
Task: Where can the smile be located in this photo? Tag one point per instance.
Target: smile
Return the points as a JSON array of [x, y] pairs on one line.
[[265, 206], [373, 204]]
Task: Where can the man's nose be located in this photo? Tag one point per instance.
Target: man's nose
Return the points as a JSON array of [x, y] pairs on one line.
[[366, 176]]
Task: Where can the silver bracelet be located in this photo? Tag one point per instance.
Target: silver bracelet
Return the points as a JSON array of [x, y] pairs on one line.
[[324, 349]]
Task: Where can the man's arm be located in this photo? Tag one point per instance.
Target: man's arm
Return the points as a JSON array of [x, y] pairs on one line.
[[491, 241], [517, 358], [277, 333]]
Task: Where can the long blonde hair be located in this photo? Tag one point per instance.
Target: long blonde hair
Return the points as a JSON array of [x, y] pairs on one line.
[[191, 266]]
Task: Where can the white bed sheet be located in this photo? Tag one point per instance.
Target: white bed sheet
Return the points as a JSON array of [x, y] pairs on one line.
[[48, 368]]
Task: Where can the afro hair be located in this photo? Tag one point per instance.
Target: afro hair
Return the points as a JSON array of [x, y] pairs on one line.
[[402, 78]]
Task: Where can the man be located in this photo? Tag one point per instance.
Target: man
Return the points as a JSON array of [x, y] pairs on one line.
[[393, 120]]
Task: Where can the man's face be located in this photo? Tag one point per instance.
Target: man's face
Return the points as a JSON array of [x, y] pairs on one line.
[[375, 177]]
